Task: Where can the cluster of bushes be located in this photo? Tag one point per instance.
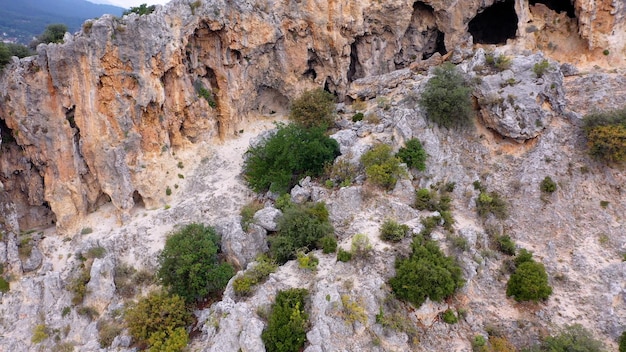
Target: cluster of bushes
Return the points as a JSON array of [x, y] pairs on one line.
[[499, 63], [287, 322], [302, 227], [382, 168], [52, 34], [342, 173], [8, 50], [159, 321], [446, 97], [413, 154], [392, 231], [606, 135], [244, 284], [426, 273], [570, 338], [141, 10], [490, 203], [291, 153], [436, 199], [529, 281], [190, 266], [314, 108], [547, 185]]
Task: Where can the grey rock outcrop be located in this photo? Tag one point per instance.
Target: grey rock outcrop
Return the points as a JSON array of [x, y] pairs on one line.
[[267, 218], [239, 246]]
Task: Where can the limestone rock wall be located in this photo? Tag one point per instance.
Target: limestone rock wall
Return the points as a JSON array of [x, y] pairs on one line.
[[100, 117]]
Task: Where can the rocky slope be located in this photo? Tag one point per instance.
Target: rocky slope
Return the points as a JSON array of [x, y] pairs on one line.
[[111, 117]]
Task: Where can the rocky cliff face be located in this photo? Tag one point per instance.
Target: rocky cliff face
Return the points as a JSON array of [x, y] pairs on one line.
[[97, 118], [106, 119]]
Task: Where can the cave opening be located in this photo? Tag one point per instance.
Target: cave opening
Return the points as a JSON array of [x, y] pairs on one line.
[[69, 116], [6, 134], [355, 71], [311, 62], [440, 46], [138, 200], [559, 6], [495, 24]]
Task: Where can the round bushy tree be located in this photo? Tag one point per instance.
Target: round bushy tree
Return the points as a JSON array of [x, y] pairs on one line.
[[189, 264], [287, 323], [413, 154], [157, 318], [606, 135], [446, 97], [381, 167], [529, 282], [573, 338], [427, 273], [314, 108], [293, 152]]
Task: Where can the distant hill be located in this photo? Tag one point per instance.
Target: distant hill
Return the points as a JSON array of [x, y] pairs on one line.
[[22, 20]]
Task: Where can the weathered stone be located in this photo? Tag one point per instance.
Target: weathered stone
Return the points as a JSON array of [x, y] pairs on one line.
[[267, 218], [241, 247]]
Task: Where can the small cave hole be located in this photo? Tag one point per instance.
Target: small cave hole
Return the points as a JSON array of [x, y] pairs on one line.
[[495, 24], [440, 46], [312, 62], [6, 134], [559, 6], [138, 200], [69, 116]]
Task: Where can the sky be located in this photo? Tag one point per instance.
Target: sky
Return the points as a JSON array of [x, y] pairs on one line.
[[129, 3]]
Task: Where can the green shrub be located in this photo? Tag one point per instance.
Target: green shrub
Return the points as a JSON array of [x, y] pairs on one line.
[[547, 185], [107, 331], [189, 263], [243, 285], [283, 202], [446, 98], [168, 191], [361, 246], [314, 108], [8, 50], [357, 117], [141, 10], [342, 173], [500, 62], [479, 343], [300, 227], [491, 203], [287, 322], [381, 167], [157, 316], [328, 244], [40, 333], [426, 273], [573, 338], [205, 93], [426, 199], [168, 341], [429, 223], [293, 152], [353, 310], [247, 213], [307, 261], [522, 257], [393, 231], [78, 284], [413, 154], [86, 231], [343, 255], [505, 244], [450, 317], [5, 286], [52, 34], [96, 252], [622, 342], [606, 135], [529, 282], [540, 68]]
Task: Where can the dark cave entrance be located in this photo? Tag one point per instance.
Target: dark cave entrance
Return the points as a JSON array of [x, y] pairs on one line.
[[558, 6], [355, 71], [138, 200], [440, 46], [6, 134], [495, 24]]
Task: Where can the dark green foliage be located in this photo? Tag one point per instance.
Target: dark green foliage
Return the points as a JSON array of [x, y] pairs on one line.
[[547, 185], [343, 255], [426, 273], [393, 231], [189, 263], [622, 342], [540, 68], [413, 154], [205, 93], [141, 10], [505, 244], [157, 317], [381, 167], [446, 98], [432, 200], [300, 227], [291, 153], [491, 203], [53, 34], [357, 117], [247, 213], [573, 338], [7, 50], [529, 282], [78, 284], [287, 322], [244, 284], [429, 223], [606, 135], [328, 244], [450, 317], [314, 108], [5, 286]]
